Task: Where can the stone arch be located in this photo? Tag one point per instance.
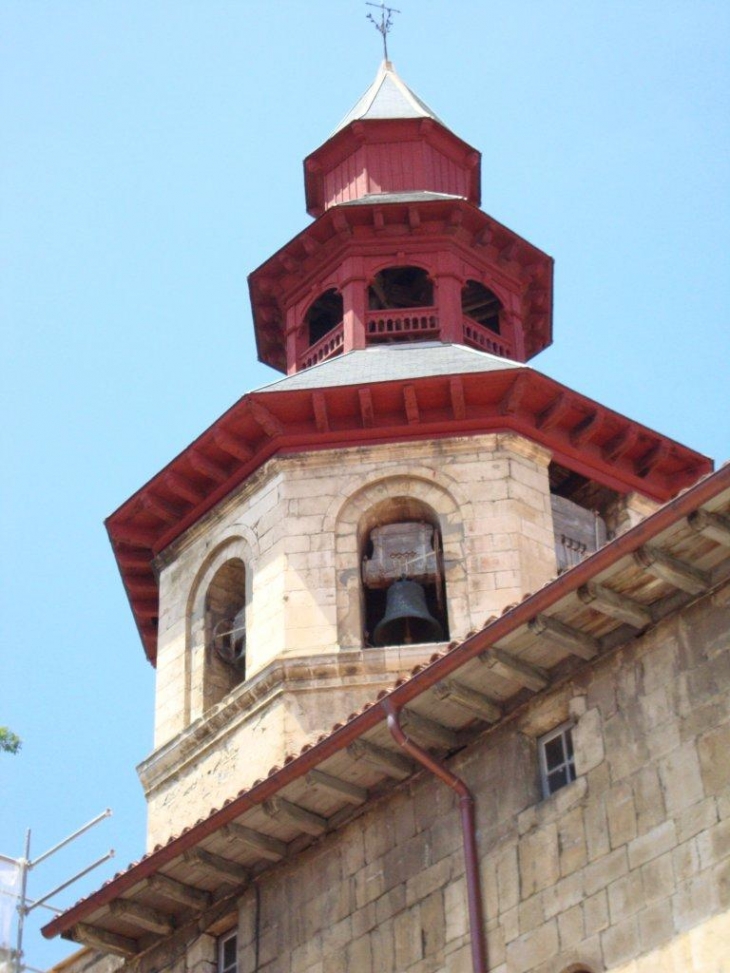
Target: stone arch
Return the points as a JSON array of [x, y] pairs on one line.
[[354, 497], [206, 678], [352, 519]]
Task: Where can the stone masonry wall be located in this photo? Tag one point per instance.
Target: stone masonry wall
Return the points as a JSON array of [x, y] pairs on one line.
[[491, 495], [626, 869]]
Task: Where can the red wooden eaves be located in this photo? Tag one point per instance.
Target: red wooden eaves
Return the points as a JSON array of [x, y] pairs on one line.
[[580, 434], [318, 251]]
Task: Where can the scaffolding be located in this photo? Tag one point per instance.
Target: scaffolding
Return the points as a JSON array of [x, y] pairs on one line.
[[14, 887]]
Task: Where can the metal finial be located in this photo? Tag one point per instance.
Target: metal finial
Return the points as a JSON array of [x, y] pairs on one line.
[[386, 22]]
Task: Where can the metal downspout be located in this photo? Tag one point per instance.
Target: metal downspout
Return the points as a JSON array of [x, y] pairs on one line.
[[468, 831]]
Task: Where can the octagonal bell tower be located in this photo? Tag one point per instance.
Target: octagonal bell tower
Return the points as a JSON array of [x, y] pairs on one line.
[[406, 478]]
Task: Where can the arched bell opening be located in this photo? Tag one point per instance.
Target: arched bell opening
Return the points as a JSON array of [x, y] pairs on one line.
[[481, 305], [225, 632], [400, 287], [324, 314], [402, 575], [401, 306]]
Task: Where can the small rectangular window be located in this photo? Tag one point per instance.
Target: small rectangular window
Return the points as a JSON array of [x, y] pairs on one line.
[[228, 953], [557, 766]]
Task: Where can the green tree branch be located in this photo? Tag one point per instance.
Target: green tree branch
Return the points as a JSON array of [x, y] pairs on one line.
[[9, 742]]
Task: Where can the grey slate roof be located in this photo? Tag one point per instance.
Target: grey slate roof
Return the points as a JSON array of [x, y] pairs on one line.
[[393, 363], [387, 97], [420, 196]]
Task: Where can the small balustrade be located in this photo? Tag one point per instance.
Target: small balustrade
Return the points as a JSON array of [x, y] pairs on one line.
[[402, 323], [328, 346], [477, 336]]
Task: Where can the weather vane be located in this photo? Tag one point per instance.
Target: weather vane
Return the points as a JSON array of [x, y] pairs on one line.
[[386, 22]]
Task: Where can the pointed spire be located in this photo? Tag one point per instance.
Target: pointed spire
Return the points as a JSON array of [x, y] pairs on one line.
[[388, 97]]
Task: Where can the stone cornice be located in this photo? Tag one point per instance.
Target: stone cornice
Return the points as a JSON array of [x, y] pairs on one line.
[[373, 667]]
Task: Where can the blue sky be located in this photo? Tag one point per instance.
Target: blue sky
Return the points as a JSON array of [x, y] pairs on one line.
[[152, 158]]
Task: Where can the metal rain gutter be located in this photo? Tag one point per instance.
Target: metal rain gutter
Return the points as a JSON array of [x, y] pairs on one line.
[[468, 833]]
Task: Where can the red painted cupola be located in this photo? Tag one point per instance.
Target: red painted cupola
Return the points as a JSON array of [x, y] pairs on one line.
[[399, 250], [390, 142]]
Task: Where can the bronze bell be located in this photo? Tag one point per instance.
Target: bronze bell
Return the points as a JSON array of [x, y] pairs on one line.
[[407, 618], [229, 640]]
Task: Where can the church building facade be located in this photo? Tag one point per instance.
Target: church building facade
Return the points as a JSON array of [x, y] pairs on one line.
[[441, 645]]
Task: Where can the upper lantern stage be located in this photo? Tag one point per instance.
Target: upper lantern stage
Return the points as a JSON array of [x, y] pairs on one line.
[[399, 250], [390, 142]]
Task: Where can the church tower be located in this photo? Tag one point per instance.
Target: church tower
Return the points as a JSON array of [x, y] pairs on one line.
[[408, 477]]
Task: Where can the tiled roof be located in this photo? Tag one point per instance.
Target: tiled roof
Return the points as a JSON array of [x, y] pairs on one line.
[[387, 97], [378, 199], [676, 555], [394, 362]]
